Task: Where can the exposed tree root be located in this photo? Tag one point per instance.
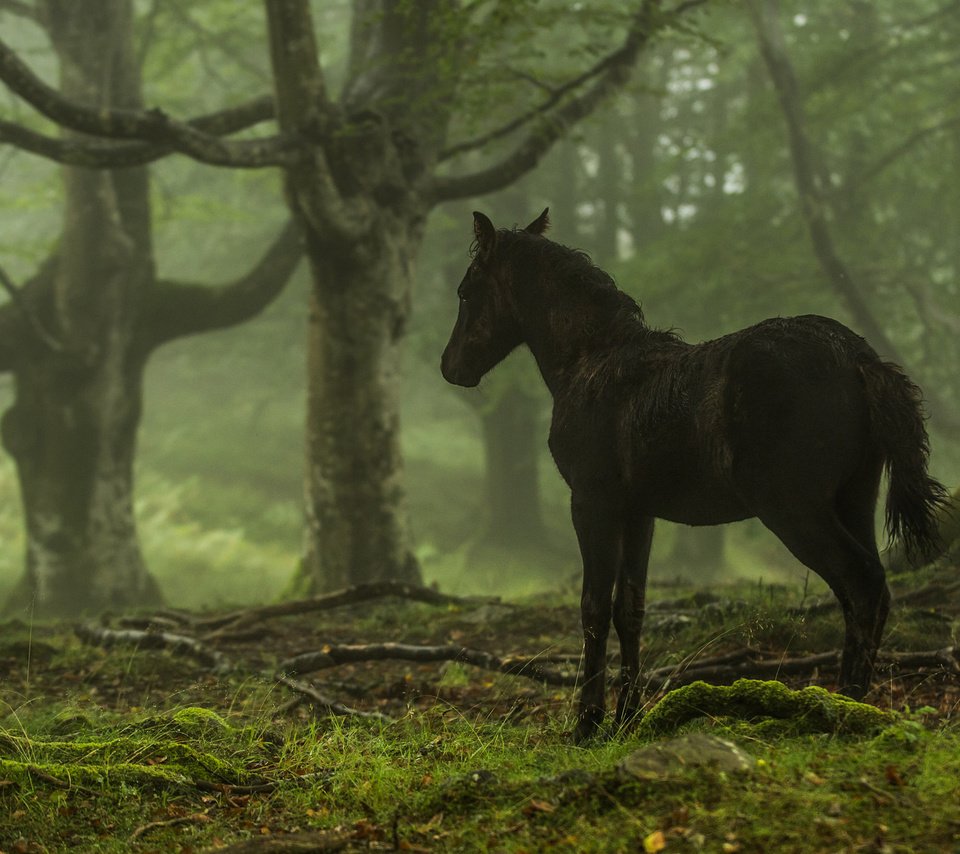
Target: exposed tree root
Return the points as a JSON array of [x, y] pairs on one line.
[[347, 596], [177, 644], [332, 655]]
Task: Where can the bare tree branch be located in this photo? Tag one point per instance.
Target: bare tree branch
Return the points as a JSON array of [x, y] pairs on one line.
[[93, 154], [304, 109], [97, 154], [177, 644], [895, 153], [608, 74], [153, 126], [556, 95], [177, 308], [324, 703]]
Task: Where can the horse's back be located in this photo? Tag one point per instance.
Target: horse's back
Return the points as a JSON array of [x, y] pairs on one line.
[[794, 404]]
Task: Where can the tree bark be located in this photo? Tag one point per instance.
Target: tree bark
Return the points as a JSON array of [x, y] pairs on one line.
[[356, 517]]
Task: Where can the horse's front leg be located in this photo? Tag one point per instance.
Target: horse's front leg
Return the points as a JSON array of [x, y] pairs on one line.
[[598, 533], [628, 611]]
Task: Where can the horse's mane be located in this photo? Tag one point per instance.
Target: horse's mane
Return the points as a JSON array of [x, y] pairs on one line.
[[568, 269]]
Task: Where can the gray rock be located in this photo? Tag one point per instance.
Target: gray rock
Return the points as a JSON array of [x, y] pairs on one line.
[[666, 759]]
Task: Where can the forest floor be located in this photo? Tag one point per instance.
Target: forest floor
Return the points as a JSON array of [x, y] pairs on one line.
[[420, 722]]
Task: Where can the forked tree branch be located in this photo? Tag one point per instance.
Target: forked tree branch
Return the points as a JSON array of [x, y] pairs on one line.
[[902, 148], [178, 308], [552, 121], [198, 139], [303, 109]]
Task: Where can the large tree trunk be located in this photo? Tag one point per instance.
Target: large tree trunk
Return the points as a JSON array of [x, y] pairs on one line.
[[356, 510], [72, 433], [361, 196], [72, 428], [78, 336]]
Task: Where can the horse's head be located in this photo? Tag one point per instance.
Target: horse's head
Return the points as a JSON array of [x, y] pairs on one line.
[[487, 328]]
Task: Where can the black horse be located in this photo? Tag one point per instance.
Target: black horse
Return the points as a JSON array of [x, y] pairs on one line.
[[790, 421]]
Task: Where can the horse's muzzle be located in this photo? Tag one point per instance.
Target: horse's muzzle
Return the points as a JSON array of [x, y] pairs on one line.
[[455, 374]]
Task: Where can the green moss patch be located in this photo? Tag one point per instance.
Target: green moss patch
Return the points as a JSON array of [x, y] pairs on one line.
[[190, 747], [811, 709]]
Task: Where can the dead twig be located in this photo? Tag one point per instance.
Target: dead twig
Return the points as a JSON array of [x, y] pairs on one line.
[[331, 707]]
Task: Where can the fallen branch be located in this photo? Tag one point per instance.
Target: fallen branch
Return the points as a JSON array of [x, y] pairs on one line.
[[333, 655], [743, 663], [347, 596], [947, 658], [332, 707], [177, 644]]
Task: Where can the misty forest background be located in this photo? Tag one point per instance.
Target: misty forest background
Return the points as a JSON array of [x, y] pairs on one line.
[[681, 181]]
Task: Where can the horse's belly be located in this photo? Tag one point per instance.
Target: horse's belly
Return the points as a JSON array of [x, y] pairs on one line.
[[692, 502]]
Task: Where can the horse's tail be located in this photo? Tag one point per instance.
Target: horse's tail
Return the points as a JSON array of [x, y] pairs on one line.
[[897, 428]]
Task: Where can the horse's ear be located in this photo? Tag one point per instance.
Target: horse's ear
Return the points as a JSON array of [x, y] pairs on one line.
[[485, 234], [540, 224]]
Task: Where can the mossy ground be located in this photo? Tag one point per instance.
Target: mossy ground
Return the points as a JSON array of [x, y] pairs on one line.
[[126, 750]]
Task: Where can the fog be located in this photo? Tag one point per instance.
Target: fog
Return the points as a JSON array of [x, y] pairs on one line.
[[682, 184]]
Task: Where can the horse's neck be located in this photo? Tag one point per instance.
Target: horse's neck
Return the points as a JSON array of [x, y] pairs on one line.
[[561, 336]]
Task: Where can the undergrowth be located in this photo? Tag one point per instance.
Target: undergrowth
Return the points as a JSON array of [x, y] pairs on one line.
[[191, 779]]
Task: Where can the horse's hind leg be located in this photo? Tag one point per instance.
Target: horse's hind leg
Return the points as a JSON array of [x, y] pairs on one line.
[[820, 541], [628, 611], [856, 508]]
